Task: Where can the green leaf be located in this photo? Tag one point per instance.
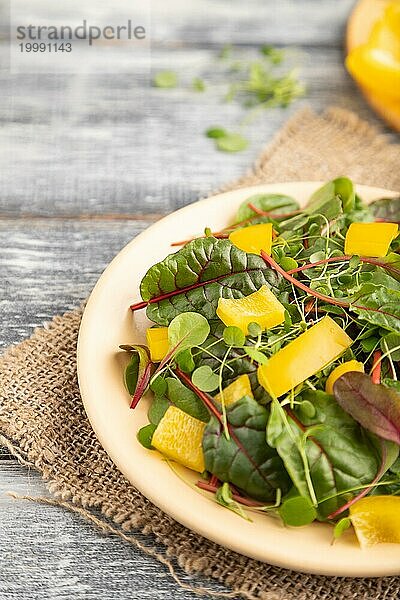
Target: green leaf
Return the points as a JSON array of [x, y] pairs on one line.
[[157, 409], [278, 203], [215, 132], [145, 435], [254, 329], [256, 355], [186, 400], [391, 264], [375, 406], [392, 383], [233, 336], [205, 379], [378, 305], [344, 188], [165, 79], [199, 274], [288, 263], [340, 456], [317, 256], [391, 343], [187, 330], [158, 385], [386, 208], [306, 409], [332, 197], [340, 527], [223, 496], [136, 368], [239, 363], [198, 84], [297, 511], [185, 361], [231, 142], [245, 459], [275, 55]]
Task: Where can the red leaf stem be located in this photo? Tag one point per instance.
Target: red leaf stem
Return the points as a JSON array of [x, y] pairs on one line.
[[207, 400], [376, 367], [263, 213], [142, 385], [209, 487], [344, 258], [328, 299], [366, 490], [383, 220], [270, 261], [183, 290], [214, 480]]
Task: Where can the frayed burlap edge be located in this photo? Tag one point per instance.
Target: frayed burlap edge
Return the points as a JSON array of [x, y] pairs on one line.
[[40, 396]]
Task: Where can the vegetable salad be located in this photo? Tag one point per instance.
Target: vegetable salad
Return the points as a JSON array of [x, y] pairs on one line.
[[273, 361]]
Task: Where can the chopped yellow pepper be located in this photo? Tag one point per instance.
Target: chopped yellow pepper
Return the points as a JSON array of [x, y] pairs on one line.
[[236, 390], [370, 239], [376, 64], [253, 238], [157, 341], [261, 307], [179, 437], [376, 520], [346, 367], [303, 357]]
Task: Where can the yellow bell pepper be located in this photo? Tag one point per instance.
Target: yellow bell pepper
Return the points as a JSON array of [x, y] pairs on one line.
[[236, 390], [179, 436], [303, 357], [375, 65], [346, 367], [370, 239], [157, 341], [253, 238], [376, 520], [261, 307]]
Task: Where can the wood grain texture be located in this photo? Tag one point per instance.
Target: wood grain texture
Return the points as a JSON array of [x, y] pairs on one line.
[[73, 144], [48, 553], [112, 148]]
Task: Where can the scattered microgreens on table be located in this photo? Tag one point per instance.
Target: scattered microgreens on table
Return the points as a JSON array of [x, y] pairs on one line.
[[277, 343], [256, 83]]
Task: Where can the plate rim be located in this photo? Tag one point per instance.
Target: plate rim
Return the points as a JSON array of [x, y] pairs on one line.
[[88, 406]]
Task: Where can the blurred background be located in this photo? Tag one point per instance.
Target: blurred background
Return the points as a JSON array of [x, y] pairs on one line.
[[92, 141]]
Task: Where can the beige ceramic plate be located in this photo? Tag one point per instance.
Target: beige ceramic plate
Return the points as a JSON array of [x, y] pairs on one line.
[[108, 322]]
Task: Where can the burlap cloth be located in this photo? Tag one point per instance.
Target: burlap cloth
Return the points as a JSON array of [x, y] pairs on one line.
[[43, 424]]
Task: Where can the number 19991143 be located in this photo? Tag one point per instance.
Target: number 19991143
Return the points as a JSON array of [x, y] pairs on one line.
[[45, 47]]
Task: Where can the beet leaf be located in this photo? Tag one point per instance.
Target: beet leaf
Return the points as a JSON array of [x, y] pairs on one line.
[[375, 406], [195, 277], [245, 459]]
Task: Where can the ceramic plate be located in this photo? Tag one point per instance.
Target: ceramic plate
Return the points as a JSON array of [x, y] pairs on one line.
[[108, 322]]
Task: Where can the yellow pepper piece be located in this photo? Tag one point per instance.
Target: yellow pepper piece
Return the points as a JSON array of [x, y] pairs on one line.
[[236, 390], [346, 367], [253, 238], [370, 239], [260, 307], [376, 64], [303, 357], [179, 437], [376, 520], [157, 341]]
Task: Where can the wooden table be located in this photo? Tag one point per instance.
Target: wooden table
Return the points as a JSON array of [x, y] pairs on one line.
[[89, 161]]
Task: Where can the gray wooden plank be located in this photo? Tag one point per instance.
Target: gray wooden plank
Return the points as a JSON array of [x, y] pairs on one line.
[[49, 266], [99, 144], [47, 552], [317, 22]]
